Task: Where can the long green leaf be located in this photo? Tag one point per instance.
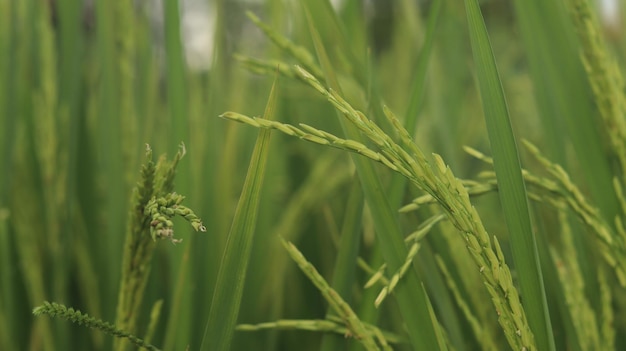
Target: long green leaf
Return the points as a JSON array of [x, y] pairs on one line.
[[562, 93], [418, 89], [229, 286], [510, 182], [176, 75], [344, 275], [107, 103]]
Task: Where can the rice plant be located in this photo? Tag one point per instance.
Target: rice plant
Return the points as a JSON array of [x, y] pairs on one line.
[[343, 175]]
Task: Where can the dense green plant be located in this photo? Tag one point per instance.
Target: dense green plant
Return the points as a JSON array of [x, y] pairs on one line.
[[399, 244]]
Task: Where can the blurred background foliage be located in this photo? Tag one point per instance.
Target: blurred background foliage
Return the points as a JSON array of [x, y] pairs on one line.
[[84, 85]]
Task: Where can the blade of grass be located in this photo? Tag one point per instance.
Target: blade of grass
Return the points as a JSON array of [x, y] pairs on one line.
[[221, 87], [70, 58], [562, 94], [126, 54], [562, 90], [344, 275], [357, 64], [86, 272], [109, 155], [229, 286], [418, 89], [8, 299], [6, 92], [398, 184], [26, 202], [409, 293], [347, 315], [511, 186], [177, 305], [176, 75], [325, 178], [355, 24], [441, 298]]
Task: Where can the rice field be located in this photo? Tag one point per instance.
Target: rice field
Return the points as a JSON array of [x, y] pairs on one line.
[[312, 175]]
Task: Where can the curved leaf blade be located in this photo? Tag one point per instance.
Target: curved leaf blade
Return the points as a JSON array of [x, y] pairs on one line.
[[511, 186]]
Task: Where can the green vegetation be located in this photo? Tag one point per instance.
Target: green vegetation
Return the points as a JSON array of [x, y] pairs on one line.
[[435, 175]]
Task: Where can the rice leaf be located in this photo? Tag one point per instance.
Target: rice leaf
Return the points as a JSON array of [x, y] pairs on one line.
[[229, 286], [512, 190], [354, 325], [344, 271]]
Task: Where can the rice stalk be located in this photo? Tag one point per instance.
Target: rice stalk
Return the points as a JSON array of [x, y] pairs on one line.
[[153, 205], [605, 77], [355, 327], [76, 316], [332, 325], [440, 184], [562, 192]]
